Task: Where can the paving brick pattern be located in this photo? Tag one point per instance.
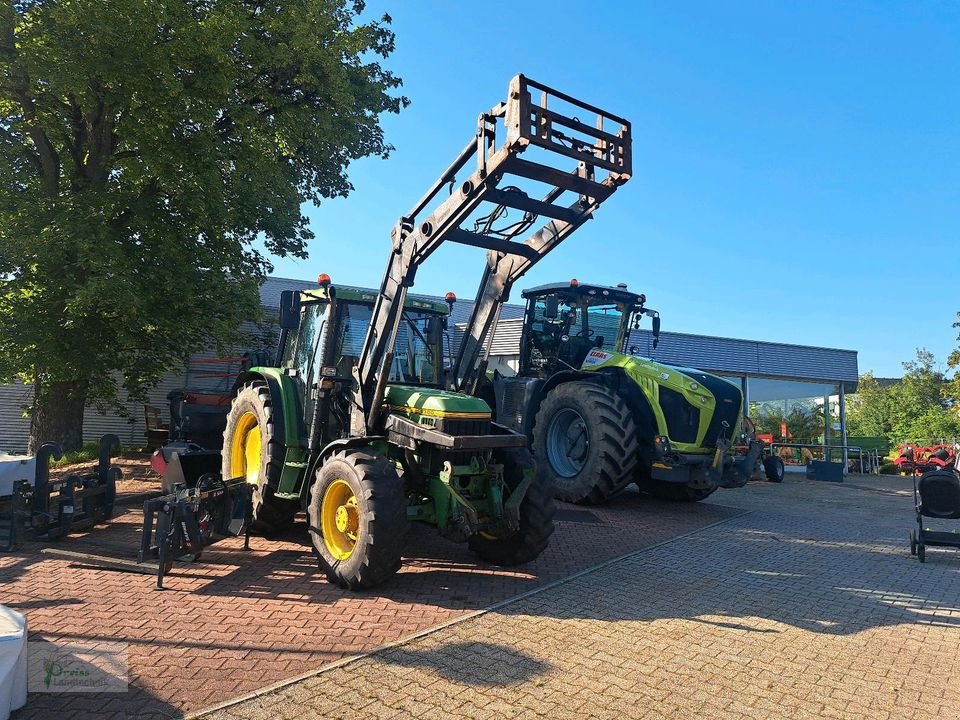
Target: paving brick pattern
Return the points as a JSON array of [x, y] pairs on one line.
[[808, 607], [238, 621]]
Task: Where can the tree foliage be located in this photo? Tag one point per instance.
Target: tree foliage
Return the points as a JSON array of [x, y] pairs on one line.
[[953, 362], [919, 408], [145, 149]]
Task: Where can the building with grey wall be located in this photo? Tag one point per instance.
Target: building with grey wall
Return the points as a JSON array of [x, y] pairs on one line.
[[771, 374]]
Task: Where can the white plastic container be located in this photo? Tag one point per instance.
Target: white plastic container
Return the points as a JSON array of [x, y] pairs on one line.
[[14, 468], [13, 661]]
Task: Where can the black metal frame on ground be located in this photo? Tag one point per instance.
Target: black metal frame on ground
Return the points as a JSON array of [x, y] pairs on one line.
[[55, 508], [195, 515]]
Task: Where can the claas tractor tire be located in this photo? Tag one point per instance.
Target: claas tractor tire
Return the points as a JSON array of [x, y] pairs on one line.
[[536, 514], [358, 518], [586, 441], [252, 450], [773, 468]]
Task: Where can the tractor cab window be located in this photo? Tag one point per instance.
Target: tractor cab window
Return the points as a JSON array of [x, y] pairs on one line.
[[550, 321], [353, 321], [603, 324], [417, 357], [303, 352]]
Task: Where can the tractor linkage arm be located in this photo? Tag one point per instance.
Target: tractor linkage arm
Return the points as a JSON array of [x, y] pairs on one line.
[[555, 136]]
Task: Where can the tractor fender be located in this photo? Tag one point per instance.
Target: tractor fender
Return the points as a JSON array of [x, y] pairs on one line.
[[564, 376], [283, 393], [336, 445], [616, 379]]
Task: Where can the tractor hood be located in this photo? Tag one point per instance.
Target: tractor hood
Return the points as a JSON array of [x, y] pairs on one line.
[[691, 406], [433, 402]]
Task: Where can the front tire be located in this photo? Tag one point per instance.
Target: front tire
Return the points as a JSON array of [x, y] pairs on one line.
[[251, 450], [358, 518], [586, 441], [773, 468], [536, 514]]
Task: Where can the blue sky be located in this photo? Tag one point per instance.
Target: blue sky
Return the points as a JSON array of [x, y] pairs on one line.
[[796, 165]]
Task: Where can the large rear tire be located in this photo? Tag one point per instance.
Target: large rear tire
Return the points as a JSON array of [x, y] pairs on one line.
[[358, 518], [586, 441], [536, 514], [252, 450]]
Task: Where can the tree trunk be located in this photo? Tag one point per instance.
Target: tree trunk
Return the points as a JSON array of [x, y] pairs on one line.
[[58, 415]]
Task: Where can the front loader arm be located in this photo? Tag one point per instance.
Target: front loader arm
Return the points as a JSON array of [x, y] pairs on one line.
[[416, 235]]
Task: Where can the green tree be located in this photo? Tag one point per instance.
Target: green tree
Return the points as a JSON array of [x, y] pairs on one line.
[[146, 148], [953, 362], [868, 411], [919, 408]]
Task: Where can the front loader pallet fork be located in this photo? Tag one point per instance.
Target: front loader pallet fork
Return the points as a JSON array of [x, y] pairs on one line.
[[601, 150]]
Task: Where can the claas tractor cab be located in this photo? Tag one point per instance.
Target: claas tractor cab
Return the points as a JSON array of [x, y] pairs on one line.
[[566, 322], [599, 418]]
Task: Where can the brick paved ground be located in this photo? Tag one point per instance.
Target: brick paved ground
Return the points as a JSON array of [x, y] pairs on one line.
[[238, 621], [808, 607]]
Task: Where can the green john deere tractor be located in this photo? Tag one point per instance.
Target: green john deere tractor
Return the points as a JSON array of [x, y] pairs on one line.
[[354, 424], [435, 457], [600, 418]]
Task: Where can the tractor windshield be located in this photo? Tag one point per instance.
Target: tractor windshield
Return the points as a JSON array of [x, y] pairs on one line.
[[602, 323], [417, 356]]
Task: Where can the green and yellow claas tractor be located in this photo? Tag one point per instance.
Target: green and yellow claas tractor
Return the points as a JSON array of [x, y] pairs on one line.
[[599, 418], [435, 456]]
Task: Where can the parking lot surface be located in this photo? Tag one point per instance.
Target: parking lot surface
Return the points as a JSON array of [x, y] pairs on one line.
[[809, 606], [237, 621]]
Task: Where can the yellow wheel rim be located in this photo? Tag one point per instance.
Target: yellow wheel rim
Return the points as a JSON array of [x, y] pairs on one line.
[[246, 446], [340, 519]]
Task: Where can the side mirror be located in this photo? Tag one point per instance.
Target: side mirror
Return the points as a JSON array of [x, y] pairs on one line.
[[656, 331], [289, 310], [552, 308]]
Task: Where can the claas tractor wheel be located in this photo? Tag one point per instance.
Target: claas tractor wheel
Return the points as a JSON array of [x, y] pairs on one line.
[[536, 514], [251, 450], [585, 439], [358, 518]]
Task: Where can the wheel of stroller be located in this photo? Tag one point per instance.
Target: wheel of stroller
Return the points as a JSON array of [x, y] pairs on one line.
[[921, 552], [913, 542]]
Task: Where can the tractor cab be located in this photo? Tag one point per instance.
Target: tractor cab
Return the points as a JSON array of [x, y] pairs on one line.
[[323, 331], [564, 322]]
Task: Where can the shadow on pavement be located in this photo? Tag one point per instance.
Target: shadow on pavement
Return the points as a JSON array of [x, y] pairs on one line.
[[478, 664]]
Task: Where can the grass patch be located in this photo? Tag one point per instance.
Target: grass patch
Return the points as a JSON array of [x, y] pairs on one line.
[[90, 451]]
